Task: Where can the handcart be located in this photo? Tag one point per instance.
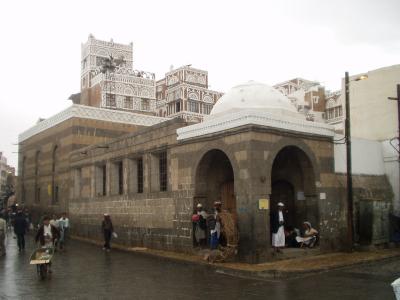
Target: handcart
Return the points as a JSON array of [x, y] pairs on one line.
[[41, 257]]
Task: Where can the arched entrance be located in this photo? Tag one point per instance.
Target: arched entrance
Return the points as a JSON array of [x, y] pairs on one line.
[[215, 181], [293, 183]]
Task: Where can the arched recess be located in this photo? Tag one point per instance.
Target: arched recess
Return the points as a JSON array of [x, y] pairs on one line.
[[54, 171], [23, 176], [37, 187], [214, 181], [293, 183]]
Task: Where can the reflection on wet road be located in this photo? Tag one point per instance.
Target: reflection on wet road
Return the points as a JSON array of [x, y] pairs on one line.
[[84, 271]]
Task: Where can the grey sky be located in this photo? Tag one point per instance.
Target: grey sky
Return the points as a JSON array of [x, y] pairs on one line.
[[236, 41]]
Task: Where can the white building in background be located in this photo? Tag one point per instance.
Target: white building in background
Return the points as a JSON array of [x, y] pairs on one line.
[[374, 120], [5, 170], [374, 117], [307, 96], [182, 93], [334, 109]]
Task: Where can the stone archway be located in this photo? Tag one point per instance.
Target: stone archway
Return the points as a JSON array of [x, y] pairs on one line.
[[293, 183], [214, 181]]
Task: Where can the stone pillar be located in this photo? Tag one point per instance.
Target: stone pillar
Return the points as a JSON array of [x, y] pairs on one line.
[[251, 186]]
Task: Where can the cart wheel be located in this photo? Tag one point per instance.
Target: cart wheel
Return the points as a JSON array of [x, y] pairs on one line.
[[43, 271]]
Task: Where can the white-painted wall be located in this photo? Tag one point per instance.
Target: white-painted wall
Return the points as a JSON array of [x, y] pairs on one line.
[[391, 163], [373, 116], [366, 155], [371, 158]]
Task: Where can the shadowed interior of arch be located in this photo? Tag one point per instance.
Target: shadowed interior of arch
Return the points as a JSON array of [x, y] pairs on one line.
[[215, 181], [293, 183]]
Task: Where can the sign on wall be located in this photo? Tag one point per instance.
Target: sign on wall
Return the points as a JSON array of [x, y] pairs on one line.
[[263, 204]]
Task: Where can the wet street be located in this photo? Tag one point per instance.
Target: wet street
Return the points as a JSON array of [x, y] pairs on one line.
[[84, 271]]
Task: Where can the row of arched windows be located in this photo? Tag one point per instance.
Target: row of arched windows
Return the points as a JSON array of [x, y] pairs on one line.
[[37, 188]]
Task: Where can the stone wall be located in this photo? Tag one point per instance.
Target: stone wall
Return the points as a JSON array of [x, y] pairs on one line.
[[151, 218], [47, 154]]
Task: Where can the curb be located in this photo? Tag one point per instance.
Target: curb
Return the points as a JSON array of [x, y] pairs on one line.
[[268, 275]]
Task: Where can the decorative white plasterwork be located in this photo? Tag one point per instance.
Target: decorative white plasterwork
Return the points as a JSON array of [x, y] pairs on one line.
[[94, 113], [234, 119]]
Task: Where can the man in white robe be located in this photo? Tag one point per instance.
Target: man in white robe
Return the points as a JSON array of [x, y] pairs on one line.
[[277, 228]]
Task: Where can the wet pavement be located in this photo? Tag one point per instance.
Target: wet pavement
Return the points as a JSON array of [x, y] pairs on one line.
[[84, 271]]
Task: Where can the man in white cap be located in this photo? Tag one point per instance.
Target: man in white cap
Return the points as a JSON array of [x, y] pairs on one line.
[[107, 229], [199, 225], [277, 228]]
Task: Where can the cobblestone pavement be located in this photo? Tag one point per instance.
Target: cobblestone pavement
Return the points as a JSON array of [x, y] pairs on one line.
[[86, 272]]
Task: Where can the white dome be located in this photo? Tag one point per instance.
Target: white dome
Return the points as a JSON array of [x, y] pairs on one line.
[[254, 95]]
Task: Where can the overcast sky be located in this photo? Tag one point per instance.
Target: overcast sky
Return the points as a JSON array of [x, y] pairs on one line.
[[236, 41]]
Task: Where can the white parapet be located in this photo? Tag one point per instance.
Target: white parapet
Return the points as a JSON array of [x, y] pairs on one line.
[[94, 113]]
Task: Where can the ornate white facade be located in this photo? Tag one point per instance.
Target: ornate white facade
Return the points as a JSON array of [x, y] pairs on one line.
[[184, 93], [108, 80], [122, 87]]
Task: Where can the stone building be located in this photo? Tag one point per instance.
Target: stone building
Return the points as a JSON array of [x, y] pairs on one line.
[[254, 150], [149, 172], [44, 149]]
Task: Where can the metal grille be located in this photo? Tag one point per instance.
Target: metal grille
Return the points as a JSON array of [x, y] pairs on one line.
[[104, 179], [163, 171], [120, 178], [140, 175]]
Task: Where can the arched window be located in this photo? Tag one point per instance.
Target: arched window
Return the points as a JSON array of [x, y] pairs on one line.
[[54, 186], [37, 188], [23, 170]]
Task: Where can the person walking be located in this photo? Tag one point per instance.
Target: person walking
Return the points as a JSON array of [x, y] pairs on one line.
[[47, 234], [277, 228], [65, 221], [20, 229], [61, 228], [107, 229], [28, 219], [3, 229]]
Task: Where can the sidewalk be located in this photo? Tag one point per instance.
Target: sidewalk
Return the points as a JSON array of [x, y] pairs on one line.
[[281, 269]]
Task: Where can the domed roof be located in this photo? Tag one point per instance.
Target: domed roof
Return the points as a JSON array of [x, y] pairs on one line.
[[253, 95]]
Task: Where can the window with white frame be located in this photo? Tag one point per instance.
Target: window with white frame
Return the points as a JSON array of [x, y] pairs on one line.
[[193, 106], [207, 109], [145, 104], [110, 100], [128, 102]]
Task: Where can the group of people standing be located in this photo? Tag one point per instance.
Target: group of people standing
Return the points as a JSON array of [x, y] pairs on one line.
[[216, 229]]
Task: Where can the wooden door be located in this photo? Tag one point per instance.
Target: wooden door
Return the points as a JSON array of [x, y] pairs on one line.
[[228, 196]]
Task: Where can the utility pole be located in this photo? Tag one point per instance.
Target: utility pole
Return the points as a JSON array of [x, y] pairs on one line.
[[350, 225], [398, 119]]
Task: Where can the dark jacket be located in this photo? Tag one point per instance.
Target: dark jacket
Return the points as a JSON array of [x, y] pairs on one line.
[[274, 219], [20, 224], [107, 225], [40, 234]]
